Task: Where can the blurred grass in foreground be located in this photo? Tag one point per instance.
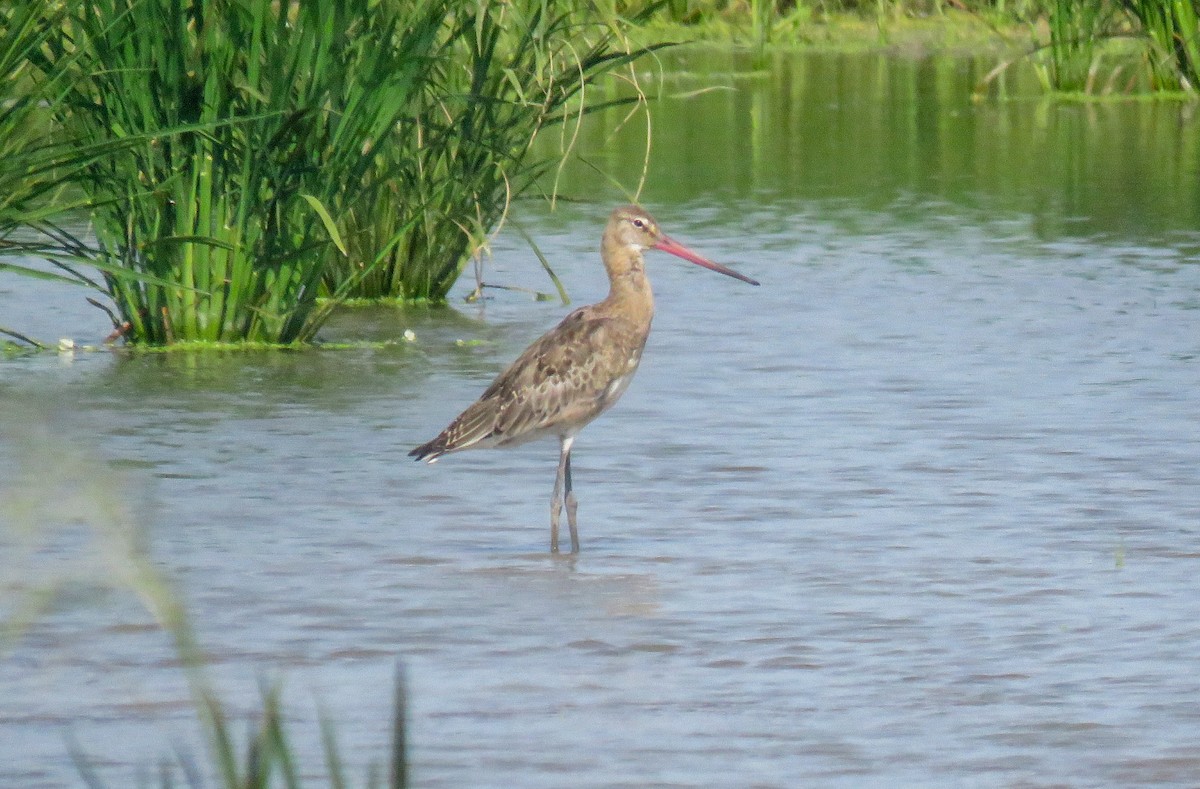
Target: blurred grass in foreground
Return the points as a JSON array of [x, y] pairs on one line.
[[57, 499]]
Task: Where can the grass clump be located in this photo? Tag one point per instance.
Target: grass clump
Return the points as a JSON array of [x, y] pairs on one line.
[[1172, 28], [1077, 30], [34, 166], [251, 164], [503, 73], [26, 163], [227, 227]]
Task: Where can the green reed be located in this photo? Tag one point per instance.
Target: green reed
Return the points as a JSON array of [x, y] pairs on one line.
[[36, 169], [1173, 29], [227, 227], [33, 166], [26, 164], [1077, 27], [502, 74], [26, 167], [39, 168]]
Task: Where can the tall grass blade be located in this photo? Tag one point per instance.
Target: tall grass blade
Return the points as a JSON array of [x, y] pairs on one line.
[[333, 758], [327, 221], [399, 764], [558, 285], [16, 335]]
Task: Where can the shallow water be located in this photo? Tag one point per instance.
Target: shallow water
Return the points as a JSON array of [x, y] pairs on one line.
[[921, 510]]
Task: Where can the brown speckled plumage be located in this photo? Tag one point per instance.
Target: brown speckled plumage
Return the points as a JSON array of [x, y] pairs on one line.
[[558, 385], [578, 369]]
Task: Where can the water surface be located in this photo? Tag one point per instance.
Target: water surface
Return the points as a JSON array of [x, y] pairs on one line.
[[921, 510]]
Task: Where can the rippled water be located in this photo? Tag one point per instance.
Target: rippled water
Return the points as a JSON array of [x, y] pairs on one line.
[[922, 510]]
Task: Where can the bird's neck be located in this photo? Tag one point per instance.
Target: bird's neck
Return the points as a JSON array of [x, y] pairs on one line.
[[629, 292]]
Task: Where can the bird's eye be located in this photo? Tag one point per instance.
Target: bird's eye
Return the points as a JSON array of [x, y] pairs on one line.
[[639, 224]]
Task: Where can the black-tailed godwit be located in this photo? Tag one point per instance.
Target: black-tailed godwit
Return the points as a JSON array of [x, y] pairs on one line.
[[578, 369]]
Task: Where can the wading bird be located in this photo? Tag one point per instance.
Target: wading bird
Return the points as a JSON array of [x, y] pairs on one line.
[[578, 369]]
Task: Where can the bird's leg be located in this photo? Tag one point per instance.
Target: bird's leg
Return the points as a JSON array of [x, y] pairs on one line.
[[556, 500], [572, 506]]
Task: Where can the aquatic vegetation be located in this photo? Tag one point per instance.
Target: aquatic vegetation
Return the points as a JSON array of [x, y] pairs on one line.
[[267, 757], [1080, 47], [227, 226], [502, 74], [1077, 27], [33, 165], [1173, 30], [257, 163], [26, 167]]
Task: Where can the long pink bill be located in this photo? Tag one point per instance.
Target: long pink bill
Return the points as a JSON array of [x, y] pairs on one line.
[[680, 251]]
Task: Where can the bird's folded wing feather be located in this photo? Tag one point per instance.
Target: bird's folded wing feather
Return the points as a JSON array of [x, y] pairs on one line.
[[558, 382]]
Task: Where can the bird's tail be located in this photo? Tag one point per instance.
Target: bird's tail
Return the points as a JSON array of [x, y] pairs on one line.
[[430, 451]]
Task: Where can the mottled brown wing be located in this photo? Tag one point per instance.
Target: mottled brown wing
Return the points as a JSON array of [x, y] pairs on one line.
[[560, 383]]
